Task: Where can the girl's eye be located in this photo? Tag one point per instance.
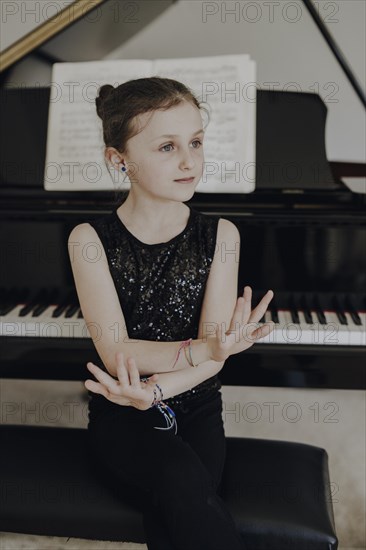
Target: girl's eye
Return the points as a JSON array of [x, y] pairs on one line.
[[169, 144], [163, 147]]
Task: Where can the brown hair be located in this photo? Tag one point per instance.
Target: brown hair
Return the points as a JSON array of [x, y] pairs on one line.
[[118, 107]]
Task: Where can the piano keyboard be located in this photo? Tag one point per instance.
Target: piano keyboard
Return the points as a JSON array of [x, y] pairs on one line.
[[309, 327]]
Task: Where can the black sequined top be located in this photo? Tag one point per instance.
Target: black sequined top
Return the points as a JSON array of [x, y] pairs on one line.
[[160, 286]]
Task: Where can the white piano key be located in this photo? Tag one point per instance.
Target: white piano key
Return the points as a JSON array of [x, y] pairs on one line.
[[363, 320], [357, 333], [331, 333], [270, 338], [337, 334], [312, 333], [321, 334], [291, 332], [43, 326], [285, 332]]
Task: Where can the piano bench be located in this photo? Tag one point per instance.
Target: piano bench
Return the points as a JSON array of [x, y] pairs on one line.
[[277, 491]]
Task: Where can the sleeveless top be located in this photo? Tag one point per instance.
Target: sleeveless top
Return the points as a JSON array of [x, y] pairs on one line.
[[160, 286]]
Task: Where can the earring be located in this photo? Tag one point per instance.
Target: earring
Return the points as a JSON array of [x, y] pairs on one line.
[[123, 169]]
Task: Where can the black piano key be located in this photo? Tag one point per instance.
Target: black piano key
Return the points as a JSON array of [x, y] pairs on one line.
[[7, 308], [59, 309], [49, 298], [306, 310], [319, 310], [274, 316], [352, 310], [339, 310], [71, 310], [38, 310], [33, 303], [63, 305], [273, 310], [12, 299], [27, 309], [293, 310]]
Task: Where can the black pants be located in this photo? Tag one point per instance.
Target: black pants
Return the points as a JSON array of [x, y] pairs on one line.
[[174, 477]]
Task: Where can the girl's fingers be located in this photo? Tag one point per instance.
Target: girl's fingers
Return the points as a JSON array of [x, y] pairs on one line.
[[133, 372], [95, 387], [122, 373], [247, 306], [242, 310], [102, 376], [152, 380], [261, 308], [247, 295], [263, 330]]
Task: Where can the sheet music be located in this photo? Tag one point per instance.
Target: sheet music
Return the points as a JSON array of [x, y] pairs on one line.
[[355, 184], [75, 148], [223, 83]]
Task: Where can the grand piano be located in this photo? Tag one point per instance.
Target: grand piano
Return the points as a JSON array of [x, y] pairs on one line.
[[304, 237]]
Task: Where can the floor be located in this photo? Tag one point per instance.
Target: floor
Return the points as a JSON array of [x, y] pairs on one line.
[[11, 541], [332, 419]]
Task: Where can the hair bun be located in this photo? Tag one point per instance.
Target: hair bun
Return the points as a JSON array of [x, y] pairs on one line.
[[104, 93]]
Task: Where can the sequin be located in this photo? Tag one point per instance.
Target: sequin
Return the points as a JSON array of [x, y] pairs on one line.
[[161, 286]]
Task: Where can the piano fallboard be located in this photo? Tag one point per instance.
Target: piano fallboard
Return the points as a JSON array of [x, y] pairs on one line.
[[341, 367]]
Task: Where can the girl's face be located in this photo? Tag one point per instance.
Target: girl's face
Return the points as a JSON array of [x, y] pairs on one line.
[[155, 161]]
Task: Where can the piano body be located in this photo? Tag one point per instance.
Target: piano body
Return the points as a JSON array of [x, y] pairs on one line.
[[303, 235]]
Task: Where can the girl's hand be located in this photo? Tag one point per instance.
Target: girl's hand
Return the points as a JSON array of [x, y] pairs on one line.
[[243, 331], [128, 390]]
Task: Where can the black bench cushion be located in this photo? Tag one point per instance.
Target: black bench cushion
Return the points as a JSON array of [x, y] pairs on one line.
[[277, 491]]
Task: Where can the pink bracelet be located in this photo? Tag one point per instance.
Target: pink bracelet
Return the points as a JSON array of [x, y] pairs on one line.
[[183, 344], [190, 359]]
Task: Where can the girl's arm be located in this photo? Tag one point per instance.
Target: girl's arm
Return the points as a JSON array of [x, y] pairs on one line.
[[174, 383], [159, 357], [218, 305], [128, 390], [103, 314]]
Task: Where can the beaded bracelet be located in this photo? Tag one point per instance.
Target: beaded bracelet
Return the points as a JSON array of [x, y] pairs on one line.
[[156, 400], [162, 407]]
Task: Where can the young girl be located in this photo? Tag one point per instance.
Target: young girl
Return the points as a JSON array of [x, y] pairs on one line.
[[160, 301]]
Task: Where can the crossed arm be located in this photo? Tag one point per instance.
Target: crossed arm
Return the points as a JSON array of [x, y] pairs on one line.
[[150, 358]]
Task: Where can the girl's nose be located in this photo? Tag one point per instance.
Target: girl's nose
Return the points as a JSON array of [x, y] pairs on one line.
[[187, 160]]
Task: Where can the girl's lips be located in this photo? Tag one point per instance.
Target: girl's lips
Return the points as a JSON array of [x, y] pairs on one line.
[[185, 180]]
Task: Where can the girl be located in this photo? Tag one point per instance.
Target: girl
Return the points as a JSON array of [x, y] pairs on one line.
[[160, 301]]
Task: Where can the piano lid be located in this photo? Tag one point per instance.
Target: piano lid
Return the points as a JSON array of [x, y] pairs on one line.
[[291, 154], [112, 24]]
